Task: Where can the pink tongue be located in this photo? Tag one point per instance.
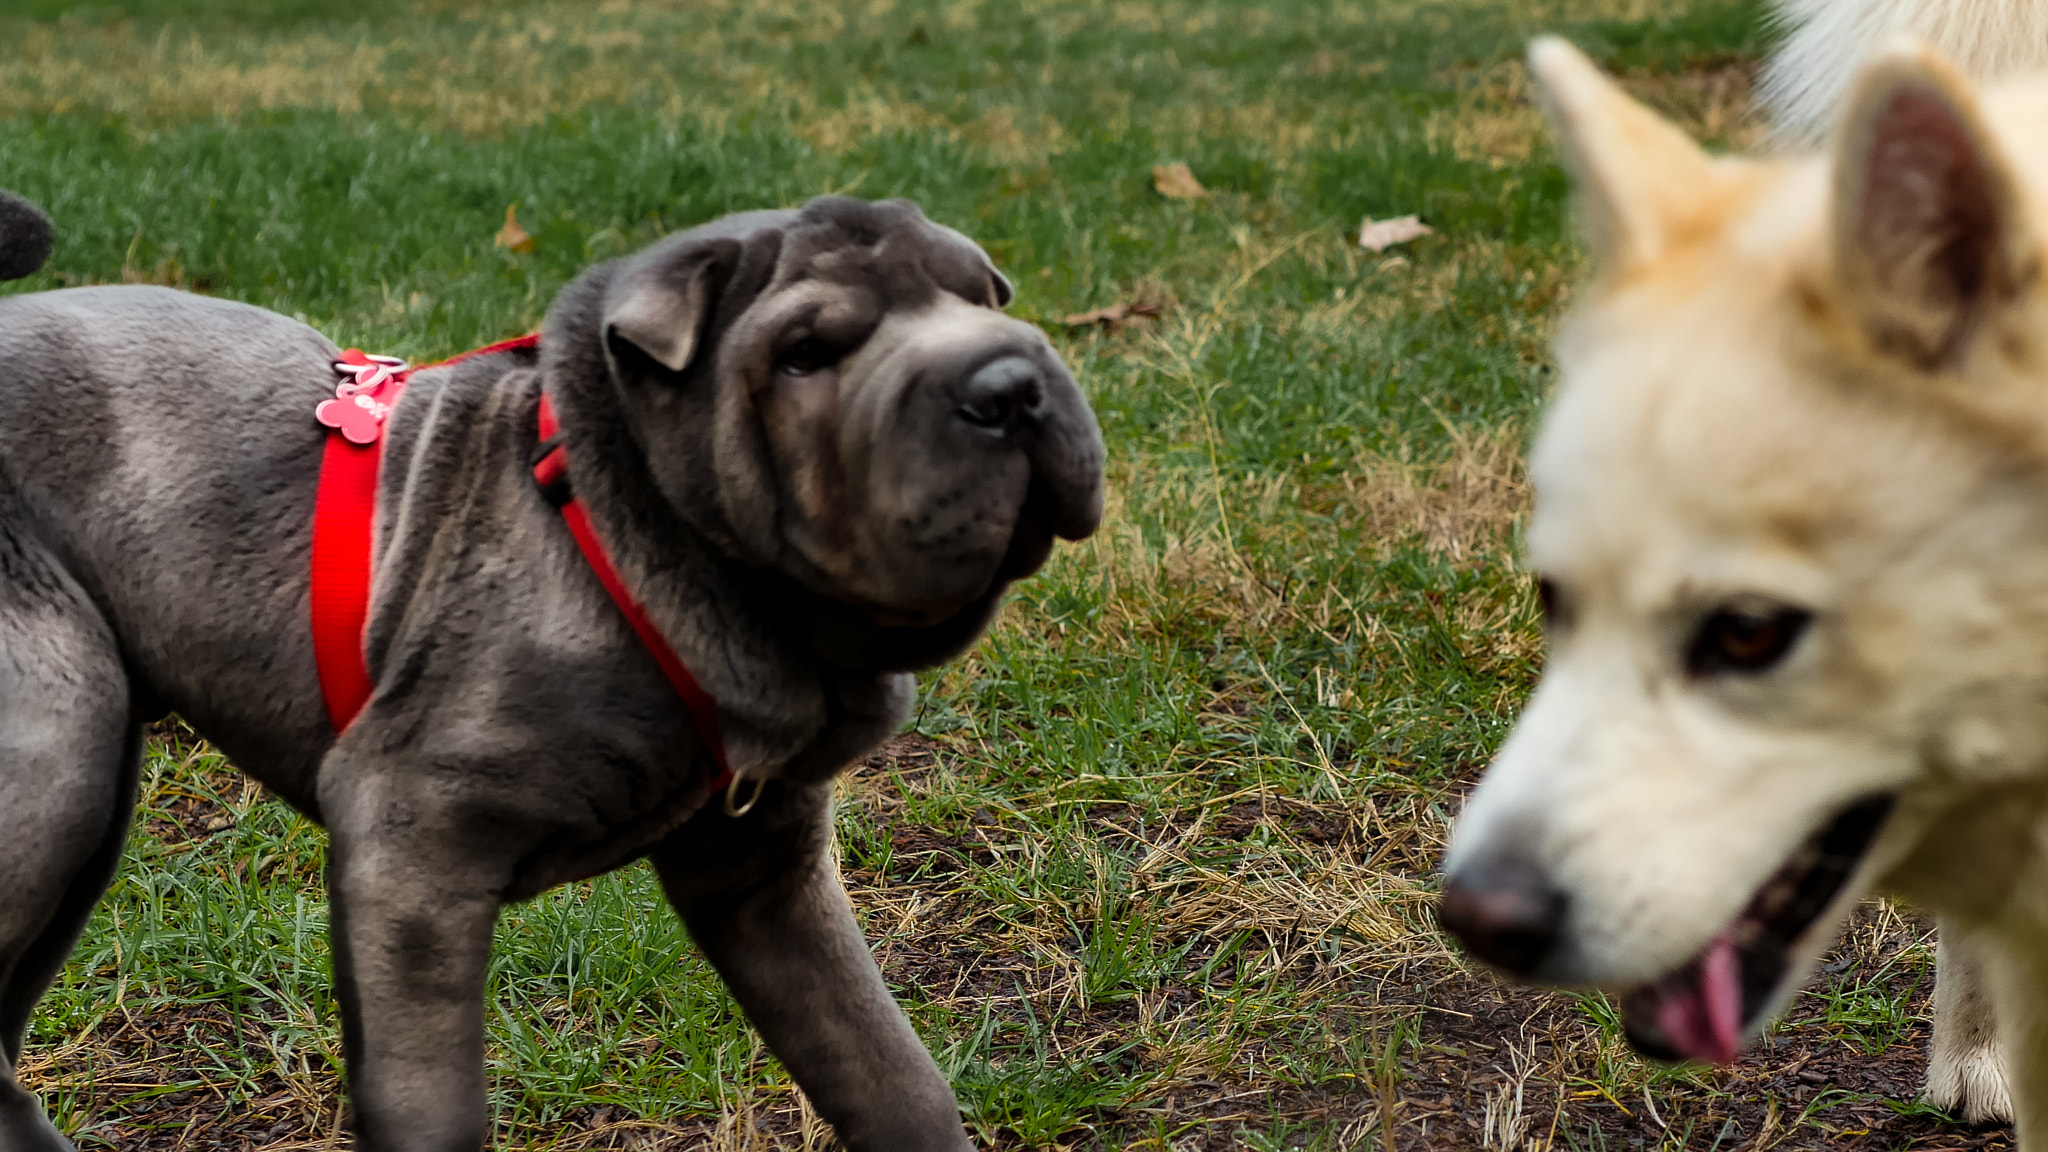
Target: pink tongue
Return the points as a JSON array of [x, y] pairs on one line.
[[1704, 1021]]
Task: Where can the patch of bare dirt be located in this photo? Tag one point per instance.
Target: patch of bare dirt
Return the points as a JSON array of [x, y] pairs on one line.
[[145, 1084], [1441, 1057]]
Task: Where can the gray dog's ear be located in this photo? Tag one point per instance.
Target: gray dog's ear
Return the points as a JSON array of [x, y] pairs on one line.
[[963, 267], [662, 302]]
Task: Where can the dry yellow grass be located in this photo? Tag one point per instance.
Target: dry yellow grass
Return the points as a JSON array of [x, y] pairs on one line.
[[480, 71], [1496, 120], [1462, 506]]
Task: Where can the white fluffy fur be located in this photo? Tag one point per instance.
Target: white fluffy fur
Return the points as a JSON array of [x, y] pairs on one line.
[[1827, 39], [1802, 87], [1966, 1071]]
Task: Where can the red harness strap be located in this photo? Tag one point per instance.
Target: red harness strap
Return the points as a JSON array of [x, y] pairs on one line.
[[343, 509], [551, 472], [341, 573], [342, 540]]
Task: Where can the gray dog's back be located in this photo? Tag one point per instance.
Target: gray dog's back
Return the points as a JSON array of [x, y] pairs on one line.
[[160, 444]]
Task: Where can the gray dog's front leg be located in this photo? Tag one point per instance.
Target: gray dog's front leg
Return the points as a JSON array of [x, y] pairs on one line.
[[413, 913], [765, 903]]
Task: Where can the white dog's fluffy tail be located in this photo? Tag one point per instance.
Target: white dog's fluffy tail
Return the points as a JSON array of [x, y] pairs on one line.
[[1827, 39]]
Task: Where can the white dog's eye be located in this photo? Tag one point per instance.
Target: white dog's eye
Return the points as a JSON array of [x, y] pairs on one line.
[[1745, 641]]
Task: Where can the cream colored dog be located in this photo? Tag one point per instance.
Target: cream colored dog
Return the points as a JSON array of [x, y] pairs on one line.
[[1792, 529]]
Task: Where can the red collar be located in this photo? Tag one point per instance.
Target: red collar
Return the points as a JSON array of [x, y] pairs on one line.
[[342, 540], [551, 473]]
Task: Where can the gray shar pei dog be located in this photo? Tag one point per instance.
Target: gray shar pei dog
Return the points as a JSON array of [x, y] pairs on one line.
[[818, 453]]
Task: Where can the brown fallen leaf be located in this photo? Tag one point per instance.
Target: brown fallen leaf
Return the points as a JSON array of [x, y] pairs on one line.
[[1379, 235], [512, 236], [1175, 182], [1113, 315]]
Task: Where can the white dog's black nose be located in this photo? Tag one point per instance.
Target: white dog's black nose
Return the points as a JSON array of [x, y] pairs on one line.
[[1504, 913], [1001, 391]]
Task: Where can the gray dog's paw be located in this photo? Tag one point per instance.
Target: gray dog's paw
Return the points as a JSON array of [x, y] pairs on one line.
[[25, 237], [1969, 1082]]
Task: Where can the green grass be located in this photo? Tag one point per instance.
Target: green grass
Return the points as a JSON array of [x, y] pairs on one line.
[[1156, 871]]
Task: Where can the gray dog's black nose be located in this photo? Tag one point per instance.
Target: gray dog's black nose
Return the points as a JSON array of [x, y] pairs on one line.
[[1504, 912], [1000, 391]]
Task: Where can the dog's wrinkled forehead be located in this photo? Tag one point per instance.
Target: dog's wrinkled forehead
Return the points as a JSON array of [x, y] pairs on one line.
[[887, 248]]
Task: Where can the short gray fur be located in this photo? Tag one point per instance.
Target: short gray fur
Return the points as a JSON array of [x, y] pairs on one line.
[[808, 522]]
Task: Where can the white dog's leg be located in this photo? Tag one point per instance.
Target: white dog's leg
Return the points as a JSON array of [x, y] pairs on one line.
[[1966, 1074], [2018, 971]]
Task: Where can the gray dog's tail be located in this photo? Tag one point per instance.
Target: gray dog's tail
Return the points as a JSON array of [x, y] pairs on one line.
[[25, 237]]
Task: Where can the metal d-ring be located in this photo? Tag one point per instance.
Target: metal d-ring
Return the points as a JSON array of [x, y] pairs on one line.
[[732, 793]]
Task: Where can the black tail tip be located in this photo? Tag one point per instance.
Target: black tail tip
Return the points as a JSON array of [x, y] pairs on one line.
[[25, 237]]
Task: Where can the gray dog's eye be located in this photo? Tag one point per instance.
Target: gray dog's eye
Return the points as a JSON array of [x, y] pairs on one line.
[[805, 357]]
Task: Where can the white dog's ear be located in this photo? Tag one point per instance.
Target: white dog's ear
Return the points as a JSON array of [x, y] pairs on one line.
[[661, 302], [1928, 235], [1640, 179]]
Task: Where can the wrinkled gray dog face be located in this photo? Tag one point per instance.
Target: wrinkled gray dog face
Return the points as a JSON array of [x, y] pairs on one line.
[[884, 435]]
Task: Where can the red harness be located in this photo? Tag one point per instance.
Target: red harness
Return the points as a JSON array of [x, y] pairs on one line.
[[342, 540]]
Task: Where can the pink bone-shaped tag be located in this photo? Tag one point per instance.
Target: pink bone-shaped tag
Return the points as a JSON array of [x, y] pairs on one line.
[[369, 386]]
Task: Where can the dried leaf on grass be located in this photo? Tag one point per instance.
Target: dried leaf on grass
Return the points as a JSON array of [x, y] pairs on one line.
[[1175, 182], [1380, 235], [512, 236], [1115, 315]]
